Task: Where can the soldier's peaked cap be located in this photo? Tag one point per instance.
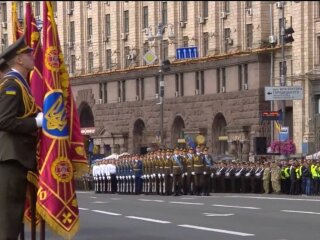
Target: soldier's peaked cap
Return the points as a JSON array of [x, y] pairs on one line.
[[18, 47]]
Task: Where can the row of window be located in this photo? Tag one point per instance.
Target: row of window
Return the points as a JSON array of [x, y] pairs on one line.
[[129, 58], [145, 22], [179, 85], [164, 10]]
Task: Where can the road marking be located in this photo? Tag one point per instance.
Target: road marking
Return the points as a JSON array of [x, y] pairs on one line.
[[186, 198], [115, 198], [148, 219], [218, 214], [216, 205], [187, 203], [108, 213], [99, 202], [292, 211], [150, 200], [218, 230], [93, 197], [277, 198], [84, 209], [84, 192]]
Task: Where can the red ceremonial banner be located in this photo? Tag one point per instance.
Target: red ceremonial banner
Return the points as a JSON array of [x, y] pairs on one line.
[[61, 152]]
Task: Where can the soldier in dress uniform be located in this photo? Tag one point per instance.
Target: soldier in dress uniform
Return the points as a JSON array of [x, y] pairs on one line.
[[146, 174], [153, 158], [168, 172], [137, 168], [19, 123], [103, 171], [198, 170], [258, 178], [232, 173], [220, 177], [189, 172], [248, 176], [162, 171], [243, 177], [208, 170], [183, 155], [177, 170], [229, 176], [157, 164], [237, 177]]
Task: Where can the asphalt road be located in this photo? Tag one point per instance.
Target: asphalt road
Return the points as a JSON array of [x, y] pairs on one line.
[[218, 217]]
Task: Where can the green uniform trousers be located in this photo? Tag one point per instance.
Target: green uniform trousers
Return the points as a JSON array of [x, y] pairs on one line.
[[13, 184]]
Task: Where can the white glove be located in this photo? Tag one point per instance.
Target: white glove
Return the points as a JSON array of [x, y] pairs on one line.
[[159, 175], [171, 175], [193, 173], [39, 119], [204, 173], [212, 175], [162, 174], [186, 174], [133, 176]]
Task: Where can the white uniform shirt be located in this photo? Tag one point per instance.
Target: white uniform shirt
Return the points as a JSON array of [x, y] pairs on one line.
[[111, 168]]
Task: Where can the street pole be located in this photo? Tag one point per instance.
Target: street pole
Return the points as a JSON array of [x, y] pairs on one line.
[[161, 83], [283, 65]]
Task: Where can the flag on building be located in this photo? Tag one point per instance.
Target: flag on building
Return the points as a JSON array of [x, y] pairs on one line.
[[62, 152]]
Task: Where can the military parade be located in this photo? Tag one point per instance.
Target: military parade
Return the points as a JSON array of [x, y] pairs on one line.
[[182, 171]]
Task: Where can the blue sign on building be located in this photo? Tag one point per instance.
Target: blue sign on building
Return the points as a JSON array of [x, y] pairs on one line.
[[284, 134], [187, 53]]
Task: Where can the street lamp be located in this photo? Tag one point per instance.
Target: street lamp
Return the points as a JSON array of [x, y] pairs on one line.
[[163, 66]]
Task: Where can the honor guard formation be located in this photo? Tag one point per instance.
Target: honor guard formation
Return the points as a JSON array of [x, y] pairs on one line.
[[191, 171]]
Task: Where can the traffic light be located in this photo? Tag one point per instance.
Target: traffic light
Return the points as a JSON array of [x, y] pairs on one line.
[[166, 65], [288, 35]]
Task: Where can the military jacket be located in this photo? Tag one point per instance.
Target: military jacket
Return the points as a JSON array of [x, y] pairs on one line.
[[17, 135], [167, 165], [198, 164], [189, 162], [177, 164]]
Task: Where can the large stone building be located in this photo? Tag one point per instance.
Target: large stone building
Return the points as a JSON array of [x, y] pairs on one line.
[[219, 94]]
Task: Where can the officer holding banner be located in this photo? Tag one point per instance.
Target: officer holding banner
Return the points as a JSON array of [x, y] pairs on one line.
[[19, 121]]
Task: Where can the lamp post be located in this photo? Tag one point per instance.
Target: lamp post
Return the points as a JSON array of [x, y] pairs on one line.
[[283, 65], [163, 66]]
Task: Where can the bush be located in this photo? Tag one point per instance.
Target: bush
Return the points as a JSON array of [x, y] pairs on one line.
[[285, 148]]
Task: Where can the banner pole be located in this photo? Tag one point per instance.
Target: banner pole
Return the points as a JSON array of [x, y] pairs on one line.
[[42, 229], [33, 200]]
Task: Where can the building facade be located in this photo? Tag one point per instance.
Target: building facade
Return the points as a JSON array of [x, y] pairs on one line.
[[219, 95]]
